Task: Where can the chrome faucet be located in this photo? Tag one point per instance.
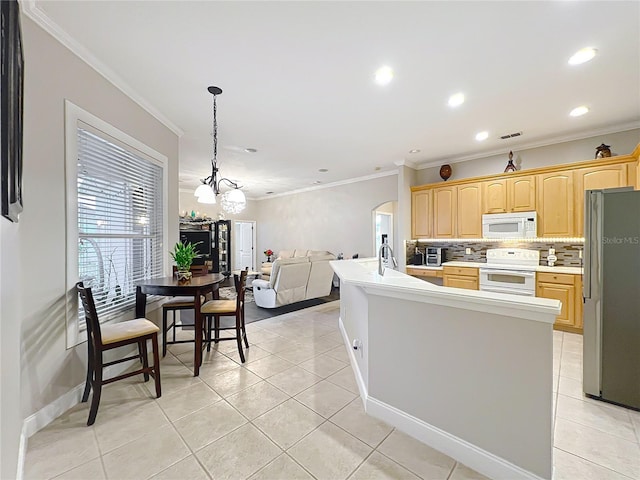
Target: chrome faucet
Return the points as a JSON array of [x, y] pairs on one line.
[[380, 264]]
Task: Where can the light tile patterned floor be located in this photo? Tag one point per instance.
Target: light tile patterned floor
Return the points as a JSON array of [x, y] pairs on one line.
[[293, 412]]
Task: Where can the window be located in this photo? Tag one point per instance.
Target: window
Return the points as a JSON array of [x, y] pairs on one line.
[[115, 217]]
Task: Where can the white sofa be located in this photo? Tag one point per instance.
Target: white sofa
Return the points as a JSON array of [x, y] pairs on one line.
[[294, 278]]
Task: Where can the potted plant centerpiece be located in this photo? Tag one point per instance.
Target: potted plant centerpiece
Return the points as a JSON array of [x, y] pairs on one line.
[[183, 254]]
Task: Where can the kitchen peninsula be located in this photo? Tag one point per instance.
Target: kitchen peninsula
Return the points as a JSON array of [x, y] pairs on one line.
[[467, 372]]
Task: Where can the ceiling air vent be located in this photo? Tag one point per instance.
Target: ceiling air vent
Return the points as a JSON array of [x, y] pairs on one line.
[[510, 135]]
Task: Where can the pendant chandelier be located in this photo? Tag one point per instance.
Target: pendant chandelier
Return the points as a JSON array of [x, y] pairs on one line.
[[233, 200]]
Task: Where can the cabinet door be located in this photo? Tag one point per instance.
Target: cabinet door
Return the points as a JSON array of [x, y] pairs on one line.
[[566, 294], [421, 214], [457, 281], [469, 211], [444, 212], [494, 193], [555, 204], [522, 193], [609, 176]]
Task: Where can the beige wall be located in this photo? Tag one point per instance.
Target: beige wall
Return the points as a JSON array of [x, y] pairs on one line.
[[53, 74], [622, 143], [10, 407], [336, 218]]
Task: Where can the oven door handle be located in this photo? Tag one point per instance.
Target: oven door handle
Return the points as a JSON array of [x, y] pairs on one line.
[[513, 273], [521, 293]]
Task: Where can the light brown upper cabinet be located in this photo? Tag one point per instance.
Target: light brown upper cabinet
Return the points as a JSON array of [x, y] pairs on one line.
[[421, 218], [444, 212], [609, 176], [495, 196], [469, 210], [522, 193], [516, 194], [555, 204]]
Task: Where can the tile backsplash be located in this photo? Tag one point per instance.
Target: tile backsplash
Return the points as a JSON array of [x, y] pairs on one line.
[[568, 253]]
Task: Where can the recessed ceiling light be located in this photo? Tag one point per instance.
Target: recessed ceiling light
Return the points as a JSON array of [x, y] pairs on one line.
[[578, 111], [317, 182], [480, 136], [456, 100], [250, 150], [583, 55], [384, 75], [415, 150], [323, 170]]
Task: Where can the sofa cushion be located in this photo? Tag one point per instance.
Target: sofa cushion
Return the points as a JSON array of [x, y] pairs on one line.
[[286, 253], [284, 261], [321, 256]]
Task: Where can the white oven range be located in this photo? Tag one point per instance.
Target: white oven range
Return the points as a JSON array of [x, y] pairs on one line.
[[510, 270]]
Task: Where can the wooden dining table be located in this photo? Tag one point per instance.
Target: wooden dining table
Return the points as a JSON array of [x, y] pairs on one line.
[[170, 286]]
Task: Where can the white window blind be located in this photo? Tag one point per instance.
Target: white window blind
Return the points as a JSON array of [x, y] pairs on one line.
[[120, 220]]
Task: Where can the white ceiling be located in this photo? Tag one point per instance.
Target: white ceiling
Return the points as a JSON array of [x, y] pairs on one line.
[[298, 78]]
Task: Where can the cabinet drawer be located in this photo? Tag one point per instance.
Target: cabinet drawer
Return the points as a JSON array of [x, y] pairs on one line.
[[563, 278], [468, 271], [421, 272]]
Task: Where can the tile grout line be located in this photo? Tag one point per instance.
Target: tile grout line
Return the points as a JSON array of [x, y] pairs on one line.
[[592, 462]]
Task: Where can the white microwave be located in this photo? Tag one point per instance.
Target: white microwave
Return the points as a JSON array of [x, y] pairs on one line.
[[510, 225]]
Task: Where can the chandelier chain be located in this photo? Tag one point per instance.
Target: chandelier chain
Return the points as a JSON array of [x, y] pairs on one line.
[[215, 130]]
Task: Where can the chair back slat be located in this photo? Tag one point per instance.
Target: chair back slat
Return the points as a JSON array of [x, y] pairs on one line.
[[241, 286], [196, 270], [90, 314]]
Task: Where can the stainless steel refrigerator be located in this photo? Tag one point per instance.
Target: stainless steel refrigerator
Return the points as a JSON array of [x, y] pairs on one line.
[[611, 290]]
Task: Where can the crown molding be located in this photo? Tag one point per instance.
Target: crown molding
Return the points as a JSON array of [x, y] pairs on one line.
[[31, 10], [330, 185], [526, 146], [406, 163]]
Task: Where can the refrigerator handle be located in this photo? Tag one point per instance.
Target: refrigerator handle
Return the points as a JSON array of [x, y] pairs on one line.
[[586, 257]]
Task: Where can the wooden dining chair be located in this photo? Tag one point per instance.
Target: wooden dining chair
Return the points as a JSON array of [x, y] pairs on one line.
[[214, 309], [174, 305], [101, 338]]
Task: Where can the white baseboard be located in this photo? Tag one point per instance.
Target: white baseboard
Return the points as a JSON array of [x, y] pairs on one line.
[[362, 386], [460, 450], [43, 417]]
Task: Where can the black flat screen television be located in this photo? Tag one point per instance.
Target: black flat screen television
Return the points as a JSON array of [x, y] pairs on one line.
[[203, 240]]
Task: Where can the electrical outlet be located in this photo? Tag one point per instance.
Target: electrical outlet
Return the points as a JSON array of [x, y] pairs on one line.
[[552, 251], [467, 251], [579, 253]]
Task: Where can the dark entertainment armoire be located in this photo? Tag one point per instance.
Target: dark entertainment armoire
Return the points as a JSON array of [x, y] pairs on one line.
[[222, 247]]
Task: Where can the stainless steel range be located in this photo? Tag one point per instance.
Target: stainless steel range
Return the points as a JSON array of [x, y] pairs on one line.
[[510, 270]]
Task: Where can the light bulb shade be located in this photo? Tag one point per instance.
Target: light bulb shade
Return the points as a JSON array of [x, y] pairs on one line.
[[208, 196], [202, 189], [233, 201]]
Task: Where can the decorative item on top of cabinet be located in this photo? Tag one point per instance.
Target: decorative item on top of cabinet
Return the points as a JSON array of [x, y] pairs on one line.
[[445, 172], [510, 166], [603, 151]]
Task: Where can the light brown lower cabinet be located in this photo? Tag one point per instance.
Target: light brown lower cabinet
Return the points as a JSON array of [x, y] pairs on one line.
[[568, 289], [421, 272], [460, 277]]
